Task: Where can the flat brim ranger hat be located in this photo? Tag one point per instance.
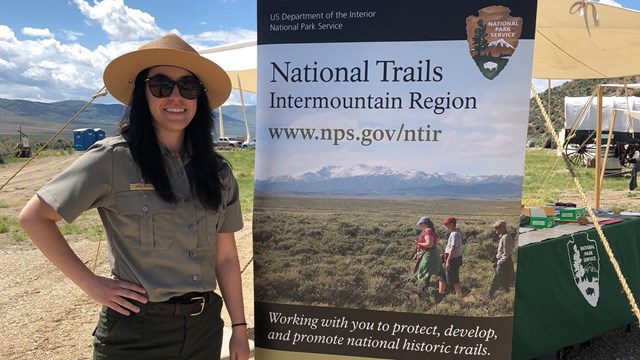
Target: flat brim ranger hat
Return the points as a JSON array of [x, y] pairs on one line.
[[120, 75]]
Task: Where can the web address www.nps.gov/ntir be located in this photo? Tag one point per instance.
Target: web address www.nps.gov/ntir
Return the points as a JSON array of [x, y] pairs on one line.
[[365, 136]]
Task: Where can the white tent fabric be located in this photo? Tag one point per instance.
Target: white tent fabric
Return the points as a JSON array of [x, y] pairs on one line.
[[574, 40], [240, 62], [573, 107], [585, 40]]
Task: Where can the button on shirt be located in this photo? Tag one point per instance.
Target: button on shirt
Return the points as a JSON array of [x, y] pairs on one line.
[[169, 249]]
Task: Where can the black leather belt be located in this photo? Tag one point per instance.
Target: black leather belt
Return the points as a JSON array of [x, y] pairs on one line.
[[191, 304]]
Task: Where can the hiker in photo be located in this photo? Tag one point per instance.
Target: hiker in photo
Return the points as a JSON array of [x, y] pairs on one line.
[[169, 205], [503, 265], [427, 251], [452, 257]]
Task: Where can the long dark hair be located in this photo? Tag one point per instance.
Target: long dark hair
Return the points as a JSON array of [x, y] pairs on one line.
[[138, 130]]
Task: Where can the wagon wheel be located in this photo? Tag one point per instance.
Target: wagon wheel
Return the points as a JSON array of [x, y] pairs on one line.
[[580, 154]]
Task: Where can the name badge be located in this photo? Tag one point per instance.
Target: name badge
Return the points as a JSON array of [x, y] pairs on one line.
[[141, 187]]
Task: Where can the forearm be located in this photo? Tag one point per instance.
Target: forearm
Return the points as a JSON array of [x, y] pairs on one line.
[[229, 278]]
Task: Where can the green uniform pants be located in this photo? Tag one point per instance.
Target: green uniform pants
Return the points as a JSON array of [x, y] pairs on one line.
[[146, 336]]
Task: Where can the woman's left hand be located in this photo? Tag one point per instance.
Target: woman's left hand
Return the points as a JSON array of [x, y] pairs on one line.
[[239, 344]]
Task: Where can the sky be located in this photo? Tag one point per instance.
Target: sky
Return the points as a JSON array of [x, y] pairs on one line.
[[53, 50]]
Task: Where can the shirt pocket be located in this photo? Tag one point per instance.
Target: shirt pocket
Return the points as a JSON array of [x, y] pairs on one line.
[[147, 220]]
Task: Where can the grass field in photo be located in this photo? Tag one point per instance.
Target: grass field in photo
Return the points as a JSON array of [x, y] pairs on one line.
[[357, 253]]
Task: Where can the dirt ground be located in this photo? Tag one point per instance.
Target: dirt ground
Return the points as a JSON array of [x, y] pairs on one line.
[[43, 314], [609, 199]]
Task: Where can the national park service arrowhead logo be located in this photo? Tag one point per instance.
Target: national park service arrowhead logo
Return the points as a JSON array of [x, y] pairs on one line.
[[585, 266], [493, 38]]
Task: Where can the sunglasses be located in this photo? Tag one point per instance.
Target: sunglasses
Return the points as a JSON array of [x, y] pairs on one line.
[[161, 86]]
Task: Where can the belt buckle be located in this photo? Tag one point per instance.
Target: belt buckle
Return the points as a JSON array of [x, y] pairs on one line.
[[202, 303]]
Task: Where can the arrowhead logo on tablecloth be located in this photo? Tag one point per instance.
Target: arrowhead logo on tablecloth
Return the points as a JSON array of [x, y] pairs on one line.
[[493, 37], [585, 266]]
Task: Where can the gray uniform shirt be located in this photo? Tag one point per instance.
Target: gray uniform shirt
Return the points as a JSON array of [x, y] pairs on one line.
[[169, 249]]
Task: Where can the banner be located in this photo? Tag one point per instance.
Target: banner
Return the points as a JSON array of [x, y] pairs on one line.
[[371, 115]]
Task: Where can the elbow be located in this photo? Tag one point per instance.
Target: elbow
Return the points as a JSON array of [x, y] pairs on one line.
[[34, 211], [24, 217]]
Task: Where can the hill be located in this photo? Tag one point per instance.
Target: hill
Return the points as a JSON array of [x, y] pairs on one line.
[[38, 118], [537, 131], [363, 181]]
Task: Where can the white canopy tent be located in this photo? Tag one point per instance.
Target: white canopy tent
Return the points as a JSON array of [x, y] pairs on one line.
[[586, 40], [239, 60]]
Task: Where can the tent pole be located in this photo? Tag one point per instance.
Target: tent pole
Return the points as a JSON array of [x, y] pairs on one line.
[[549, 98], [629, 118], [244, 112], [598, 148], [221, 122], [606, 151]]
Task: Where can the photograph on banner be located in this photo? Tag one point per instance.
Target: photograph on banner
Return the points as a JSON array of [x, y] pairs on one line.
[[389, 177]]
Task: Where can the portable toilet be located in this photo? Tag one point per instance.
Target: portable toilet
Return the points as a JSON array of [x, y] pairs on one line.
[[100, 134], [78, 139], [83, 138]]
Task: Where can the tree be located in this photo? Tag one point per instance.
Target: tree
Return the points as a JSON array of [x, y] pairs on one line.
[[480, 42]]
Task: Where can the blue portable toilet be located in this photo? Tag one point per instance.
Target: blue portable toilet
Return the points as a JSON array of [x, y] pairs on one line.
[[100, 134], [78, 139], [83, 138]]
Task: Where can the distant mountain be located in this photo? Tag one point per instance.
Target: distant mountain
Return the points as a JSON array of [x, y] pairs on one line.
[[233, 120], [378, 181], [501, 43], [47, 118], [38, 118]]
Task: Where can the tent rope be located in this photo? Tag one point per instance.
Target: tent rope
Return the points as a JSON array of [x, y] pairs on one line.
[[95, 258], [594, 219], [247, 265], [582, 7], [102, 92], [537, 195]]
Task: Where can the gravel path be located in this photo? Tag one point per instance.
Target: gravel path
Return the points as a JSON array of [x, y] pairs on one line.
[[622, 343]]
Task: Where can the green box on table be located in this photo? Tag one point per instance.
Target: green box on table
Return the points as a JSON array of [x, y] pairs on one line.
[[571, 213], [542, 222]]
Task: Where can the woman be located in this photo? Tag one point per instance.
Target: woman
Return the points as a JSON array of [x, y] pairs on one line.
[[169, 205], [427, 250]]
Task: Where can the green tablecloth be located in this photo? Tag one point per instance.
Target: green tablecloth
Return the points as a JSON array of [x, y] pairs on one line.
[[551, 311]]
